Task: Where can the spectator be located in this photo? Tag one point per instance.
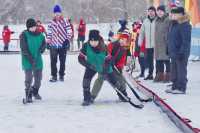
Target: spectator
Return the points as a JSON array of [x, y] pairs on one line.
[[72, 38], [148, 32], [58, 36], [81, 33], [179, 44], [40, 27], [162, 59], [6, 34]]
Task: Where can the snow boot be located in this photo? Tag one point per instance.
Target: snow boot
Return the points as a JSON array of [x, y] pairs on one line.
[[36, 94], [167, 78], [87, 98], [159, 77], [149, 77], [28, 93]]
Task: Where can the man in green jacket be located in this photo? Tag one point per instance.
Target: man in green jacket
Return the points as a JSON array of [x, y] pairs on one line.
[[32, 45]]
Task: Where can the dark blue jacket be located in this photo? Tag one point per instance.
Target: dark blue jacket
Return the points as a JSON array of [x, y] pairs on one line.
[[179, 38]]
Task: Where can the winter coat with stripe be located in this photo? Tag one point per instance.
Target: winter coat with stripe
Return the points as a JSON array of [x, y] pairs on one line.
[[59, 31]]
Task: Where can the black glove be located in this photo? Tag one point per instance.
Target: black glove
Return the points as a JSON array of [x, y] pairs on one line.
[[180, 56], [48, 46], [107, 63]]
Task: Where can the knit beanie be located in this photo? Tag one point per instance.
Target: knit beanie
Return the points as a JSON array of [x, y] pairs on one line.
[[178, 10], [30, 23], [94, 35], [57, 9], [162, 8]]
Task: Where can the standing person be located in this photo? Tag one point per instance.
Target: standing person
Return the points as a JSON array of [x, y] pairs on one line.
[[179, 44], [139, 51], [94, 57], [123, 29], [160, 50], [6, 34], [58, 36], [72, 38], [148, 33], [32, 46], [81, 33], [40, 28]]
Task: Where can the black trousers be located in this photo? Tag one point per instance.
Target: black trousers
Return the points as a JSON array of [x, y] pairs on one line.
[[54, 54], [149, 60], [162, 66], [179, 73], [141, 61], [6, 47]]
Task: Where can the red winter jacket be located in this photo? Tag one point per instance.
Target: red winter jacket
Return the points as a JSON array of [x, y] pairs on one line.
[[40, 29], [115, 50], [6, 36], [82, 28]]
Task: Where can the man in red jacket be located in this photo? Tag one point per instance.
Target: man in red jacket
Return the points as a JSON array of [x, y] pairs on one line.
[[81, 32], [6, 37]]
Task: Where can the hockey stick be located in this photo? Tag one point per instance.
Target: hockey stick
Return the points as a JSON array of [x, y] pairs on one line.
[[132, 89], [128, 99]]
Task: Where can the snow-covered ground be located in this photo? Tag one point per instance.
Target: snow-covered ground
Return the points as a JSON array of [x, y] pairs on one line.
[[188, 106], [60, 111]]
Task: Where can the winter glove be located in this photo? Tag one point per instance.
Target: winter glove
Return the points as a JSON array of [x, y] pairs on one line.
[[107, 62], [180, 56], [48, 46]]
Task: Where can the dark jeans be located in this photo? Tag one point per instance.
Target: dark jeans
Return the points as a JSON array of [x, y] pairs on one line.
[[142, 64], [5, 47], [80, 39], [54, 54], [149, 60], [162, 66], [179, 73]]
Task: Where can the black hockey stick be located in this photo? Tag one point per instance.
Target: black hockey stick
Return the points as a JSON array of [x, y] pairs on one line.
[[128, 99], [132, 89]]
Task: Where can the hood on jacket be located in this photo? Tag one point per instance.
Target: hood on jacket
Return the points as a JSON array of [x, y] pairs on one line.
[[184, 18]]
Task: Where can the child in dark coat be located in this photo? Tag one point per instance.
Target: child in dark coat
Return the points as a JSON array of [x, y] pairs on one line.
[[32, 46], [93, 56]]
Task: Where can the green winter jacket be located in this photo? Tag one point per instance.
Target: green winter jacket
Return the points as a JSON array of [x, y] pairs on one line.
[[96, 58], [32, 46]]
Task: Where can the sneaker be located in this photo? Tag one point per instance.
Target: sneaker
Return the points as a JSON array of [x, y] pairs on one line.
[[149, 77], [139, 76], [53, 79], [169, 90], [86, 103], [37, 96], [61, 78], [174, 91], [178, 92]]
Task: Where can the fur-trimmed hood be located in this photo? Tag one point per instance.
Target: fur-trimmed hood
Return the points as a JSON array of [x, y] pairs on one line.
[[184, 18]]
